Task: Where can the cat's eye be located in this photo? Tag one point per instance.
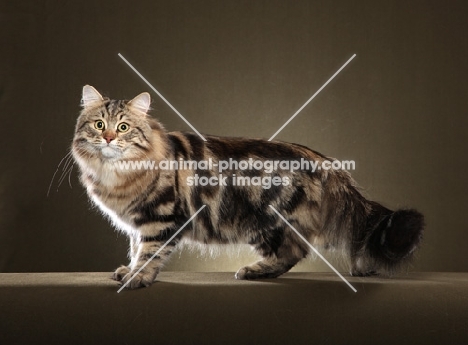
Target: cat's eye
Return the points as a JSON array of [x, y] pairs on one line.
[[123, 127], [99, 124]]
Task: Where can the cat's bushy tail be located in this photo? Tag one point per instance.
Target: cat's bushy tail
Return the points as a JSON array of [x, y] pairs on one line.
[[378, 239], [394, 236]]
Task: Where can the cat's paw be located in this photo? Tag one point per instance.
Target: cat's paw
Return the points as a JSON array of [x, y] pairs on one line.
[[261, 271], [356, 273], [141, 279], [241, 274], [120, 272], [249, 273]]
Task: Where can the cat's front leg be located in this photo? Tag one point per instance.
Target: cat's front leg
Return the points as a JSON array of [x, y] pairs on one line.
[[123, 270], [152, 252]]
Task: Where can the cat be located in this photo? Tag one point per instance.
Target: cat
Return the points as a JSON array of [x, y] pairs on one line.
[[151, 205]]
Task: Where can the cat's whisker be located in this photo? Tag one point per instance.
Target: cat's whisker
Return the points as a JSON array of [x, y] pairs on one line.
[[64, 175], [69, 175], [67, 156], [68, 162], [67, 168]]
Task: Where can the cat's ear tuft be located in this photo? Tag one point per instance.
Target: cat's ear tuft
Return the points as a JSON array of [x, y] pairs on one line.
[[141, 102], [90, 96]]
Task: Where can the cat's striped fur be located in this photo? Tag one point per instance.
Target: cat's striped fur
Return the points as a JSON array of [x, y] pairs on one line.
[[151, 205]]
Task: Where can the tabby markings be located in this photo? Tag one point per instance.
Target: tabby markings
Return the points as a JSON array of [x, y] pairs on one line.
[[313, 248], [160, 249]]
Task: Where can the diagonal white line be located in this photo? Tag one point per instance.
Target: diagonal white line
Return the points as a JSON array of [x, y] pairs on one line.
[[162, 97], [312, 247], [311, 98], [162, 247]]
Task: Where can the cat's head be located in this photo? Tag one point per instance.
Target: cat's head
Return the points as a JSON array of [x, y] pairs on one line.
[[111, 130]]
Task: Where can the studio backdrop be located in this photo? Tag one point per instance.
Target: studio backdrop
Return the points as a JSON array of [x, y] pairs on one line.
[[235, 68]]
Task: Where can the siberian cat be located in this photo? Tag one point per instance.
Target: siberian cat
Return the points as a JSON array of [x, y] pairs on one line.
[[150, 205]]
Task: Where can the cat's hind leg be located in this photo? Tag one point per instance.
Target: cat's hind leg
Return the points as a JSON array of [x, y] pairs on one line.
[[362, 268], [266, 268], [280, 254]]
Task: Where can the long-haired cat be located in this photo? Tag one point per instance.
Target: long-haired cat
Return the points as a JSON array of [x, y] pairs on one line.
[[150, 205]]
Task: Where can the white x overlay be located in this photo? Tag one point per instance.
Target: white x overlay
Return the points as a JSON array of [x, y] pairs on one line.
[[162, 97], [312, 247], [273, 136], [311, 98]]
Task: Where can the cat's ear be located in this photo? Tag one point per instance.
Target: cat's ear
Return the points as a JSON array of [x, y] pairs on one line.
[[141, 102], [90, 96]]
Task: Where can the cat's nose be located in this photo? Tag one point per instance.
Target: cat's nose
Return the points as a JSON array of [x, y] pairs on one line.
[[108, 136]]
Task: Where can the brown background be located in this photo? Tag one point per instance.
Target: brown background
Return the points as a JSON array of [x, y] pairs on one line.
[[238, 68]]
